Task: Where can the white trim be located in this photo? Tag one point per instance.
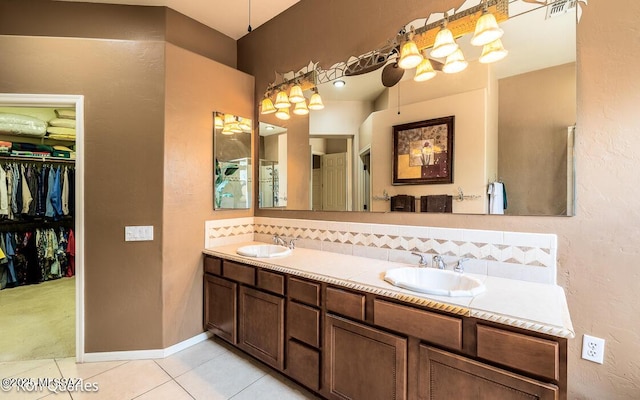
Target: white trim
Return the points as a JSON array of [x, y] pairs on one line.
[[146, 354], [76, 101]]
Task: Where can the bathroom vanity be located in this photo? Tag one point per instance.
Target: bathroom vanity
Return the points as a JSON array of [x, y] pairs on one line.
[[331, 323]]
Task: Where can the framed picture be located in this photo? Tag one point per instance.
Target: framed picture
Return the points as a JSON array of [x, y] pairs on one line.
[[423, 152]]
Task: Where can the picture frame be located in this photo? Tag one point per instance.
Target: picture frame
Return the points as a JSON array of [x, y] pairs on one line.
[[423, 152]]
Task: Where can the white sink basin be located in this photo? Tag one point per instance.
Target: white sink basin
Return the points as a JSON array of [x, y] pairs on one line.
[[434, 281], [263, 250]]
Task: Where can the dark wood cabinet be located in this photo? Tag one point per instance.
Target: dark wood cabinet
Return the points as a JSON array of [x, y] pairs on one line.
[[345, 343], [445, 376], [261, 326], [220, 307], [362, 362]]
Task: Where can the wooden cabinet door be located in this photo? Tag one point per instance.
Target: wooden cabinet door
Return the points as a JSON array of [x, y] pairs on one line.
[[220, 307], [363, 363], [444, 376], [261, 326]]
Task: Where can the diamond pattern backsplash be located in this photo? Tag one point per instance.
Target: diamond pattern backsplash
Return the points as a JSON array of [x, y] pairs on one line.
[[527, 256]]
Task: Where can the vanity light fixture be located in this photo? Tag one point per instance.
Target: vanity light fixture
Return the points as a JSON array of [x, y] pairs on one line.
[[424, 71], [493, 52], [219, 124], [295, 95], [227, 130], [487, 29], [244, 124], [445, 44], [301, 108], [283, 113], [339, 83], [455, 63], [282, 100]]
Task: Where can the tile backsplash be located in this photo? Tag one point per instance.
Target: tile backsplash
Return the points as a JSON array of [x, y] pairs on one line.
[[514, 255]]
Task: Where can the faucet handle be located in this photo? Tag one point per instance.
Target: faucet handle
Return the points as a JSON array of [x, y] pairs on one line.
[[459, 267], [423, 261], [292, 244]]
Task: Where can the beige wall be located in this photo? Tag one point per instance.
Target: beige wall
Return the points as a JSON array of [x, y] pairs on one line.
[[138, 295], [598, 248], [534, 133], [194, 85]]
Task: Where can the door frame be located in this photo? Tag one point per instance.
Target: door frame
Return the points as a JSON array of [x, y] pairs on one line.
[[58, 101], [361, 179]]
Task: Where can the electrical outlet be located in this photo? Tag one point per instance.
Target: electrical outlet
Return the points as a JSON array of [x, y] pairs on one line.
[[593, 349]]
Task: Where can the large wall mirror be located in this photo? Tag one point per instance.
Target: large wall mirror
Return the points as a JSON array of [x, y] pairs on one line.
[[232, 167], [514, 124]]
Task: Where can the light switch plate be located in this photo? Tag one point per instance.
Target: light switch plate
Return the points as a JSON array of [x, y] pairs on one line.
[[138, 233]]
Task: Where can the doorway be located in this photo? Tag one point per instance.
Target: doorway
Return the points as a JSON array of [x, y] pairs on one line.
[[41, 300]]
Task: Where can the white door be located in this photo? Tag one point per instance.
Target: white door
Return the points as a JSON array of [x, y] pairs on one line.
[[334, 182]]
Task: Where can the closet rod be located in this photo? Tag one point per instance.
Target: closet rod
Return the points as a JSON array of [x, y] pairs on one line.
[[36, 159]]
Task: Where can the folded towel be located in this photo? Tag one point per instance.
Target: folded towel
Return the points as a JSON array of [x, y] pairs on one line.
[[66, 113], [496, 198], [67, 138], [63, 123]]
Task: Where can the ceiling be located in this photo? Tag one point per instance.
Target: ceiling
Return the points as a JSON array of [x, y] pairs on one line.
[[230, 17]]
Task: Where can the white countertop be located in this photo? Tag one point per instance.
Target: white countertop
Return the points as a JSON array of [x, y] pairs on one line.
[[533, 306]]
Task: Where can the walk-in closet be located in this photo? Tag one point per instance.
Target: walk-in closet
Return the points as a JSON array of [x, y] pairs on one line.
[[38, 185]]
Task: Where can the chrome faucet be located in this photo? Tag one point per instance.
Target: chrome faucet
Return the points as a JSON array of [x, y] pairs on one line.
[[278, 240], [292, 244], [438, 262], [423, 263], [460, 268]]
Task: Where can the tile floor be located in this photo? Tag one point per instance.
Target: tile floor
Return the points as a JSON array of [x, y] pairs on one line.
[[209, 370]]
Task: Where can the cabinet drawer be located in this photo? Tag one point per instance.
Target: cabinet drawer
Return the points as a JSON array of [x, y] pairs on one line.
[[239, 272], [526, 353], [271, 281], [303, 323], [303, 364], [212, 265], [346, 303], [429, 326], [304, 291]]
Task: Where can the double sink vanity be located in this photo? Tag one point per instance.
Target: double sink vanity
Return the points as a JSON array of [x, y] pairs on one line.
[[332, 323]]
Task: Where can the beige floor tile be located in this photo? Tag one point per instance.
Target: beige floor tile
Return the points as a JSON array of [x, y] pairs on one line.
[[221, 377], [71, 369], [47, 369], [168, 391], [126, 381], [13, 368], [191, 358], [274, 387]]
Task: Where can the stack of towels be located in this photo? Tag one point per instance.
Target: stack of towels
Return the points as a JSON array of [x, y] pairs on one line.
[[63, 127]]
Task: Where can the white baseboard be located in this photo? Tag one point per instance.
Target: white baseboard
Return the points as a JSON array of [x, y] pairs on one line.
[[145, 354]]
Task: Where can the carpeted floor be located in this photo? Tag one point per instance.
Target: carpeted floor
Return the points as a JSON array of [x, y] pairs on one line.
[[38, 321]]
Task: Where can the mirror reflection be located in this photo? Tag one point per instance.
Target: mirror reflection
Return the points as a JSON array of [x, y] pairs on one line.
[[514, 126], [231, 161]]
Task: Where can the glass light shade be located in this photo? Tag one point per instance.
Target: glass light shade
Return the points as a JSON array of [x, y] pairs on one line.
[[245, 125], [487, 30], [218, 122], [444, 44], [424, 71], [229, 118], [410, 56], [493, 52], [235, 127], [301, 108], [267, 106], [295, 95], [282, 100], [227, 130], [315, 103], [455, 63], [283, 113]]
